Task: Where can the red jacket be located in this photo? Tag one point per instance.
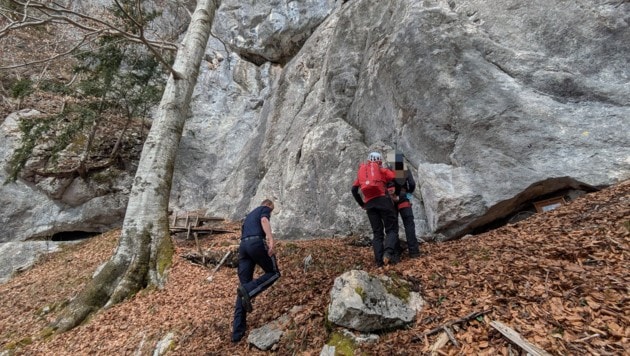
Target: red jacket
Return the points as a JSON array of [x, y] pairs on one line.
[[387, 174]]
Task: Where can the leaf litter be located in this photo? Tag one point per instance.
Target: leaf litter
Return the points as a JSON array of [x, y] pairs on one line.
[[560, 279]]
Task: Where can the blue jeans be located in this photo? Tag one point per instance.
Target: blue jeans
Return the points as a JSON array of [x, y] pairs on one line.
[[252, 252]]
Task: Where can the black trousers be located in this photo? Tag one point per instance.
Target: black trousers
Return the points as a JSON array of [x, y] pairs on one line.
[[410, 230], [252, 252], [384, 221]]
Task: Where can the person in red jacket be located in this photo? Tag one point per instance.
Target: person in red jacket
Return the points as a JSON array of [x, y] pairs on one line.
[[382, 215]]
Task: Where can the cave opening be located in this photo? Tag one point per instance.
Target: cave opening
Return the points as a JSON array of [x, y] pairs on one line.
[[73, 235]]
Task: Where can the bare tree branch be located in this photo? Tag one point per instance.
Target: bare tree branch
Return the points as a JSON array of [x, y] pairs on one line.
[[62, 15], [140, 27], [83, 40]]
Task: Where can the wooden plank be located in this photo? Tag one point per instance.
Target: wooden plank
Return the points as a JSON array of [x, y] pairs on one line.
[[210, 218], [439, 343], [174, 219], [516, 338], [201, 229]]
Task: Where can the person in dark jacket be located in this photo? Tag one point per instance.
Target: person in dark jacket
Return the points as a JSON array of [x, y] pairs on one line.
[[256, 248], [403, 185], [382, 215]]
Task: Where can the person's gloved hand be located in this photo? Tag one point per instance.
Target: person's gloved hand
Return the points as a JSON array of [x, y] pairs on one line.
[[408, 196]]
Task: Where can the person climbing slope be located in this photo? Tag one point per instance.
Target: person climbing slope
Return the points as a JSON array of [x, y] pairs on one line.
[[371, 180]]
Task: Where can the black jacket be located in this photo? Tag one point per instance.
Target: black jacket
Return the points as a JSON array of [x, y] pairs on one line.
[[408, 185]]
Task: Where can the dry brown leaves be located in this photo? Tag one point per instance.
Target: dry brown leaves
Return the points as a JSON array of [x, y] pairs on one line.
[[560, 279]]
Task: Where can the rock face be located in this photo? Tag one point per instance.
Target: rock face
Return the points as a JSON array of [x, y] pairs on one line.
[[48, 207], [369, 303], [18, 255], [494, 104], [269, 31]]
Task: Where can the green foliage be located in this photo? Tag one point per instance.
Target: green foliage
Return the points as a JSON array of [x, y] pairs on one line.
[[117, 78], [344, 346], [122, 75], [12, 345], [70, 125], [63, 128], [22, 88], [361, 293], [129, 15], [398, 287], [31, 130], [54, 86]]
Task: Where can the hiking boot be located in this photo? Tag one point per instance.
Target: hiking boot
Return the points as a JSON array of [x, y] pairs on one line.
[[415, 254], [247, 303], [387, 259]]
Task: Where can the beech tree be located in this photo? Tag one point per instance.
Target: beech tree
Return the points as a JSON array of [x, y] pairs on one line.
[[145, 249]]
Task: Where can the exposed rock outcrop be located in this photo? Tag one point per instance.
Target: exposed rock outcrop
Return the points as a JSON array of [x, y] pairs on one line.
[[493, 104], [486, 101], [367, 303]]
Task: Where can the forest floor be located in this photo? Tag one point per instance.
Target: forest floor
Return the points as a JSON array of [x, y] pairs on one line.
[[560, 279]]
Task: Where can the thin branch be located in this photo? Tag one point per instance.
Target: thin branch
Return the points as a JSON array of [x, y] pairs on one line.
[[160, 58], [51, 58], [54, 17], [25, 8], [450, 335], [450, 323], [587, 338]]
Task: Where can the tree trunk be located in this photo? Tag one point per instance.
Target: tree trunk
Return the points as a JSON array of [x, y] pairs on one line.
[[145, 248]]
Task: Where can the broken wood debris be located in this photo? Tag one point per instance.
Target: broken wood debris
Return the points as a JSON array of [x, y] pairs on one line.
[[218, 266], [466, 318], [195, 224], [516, 338]]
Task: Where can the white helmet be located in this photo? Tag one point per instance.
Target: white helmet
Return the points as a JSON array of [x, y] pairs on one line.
[[374, 157]]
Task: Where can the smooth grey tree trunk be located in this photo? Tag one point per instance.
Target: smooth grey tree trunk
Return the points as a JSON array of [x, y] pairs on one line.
[[145, 249]]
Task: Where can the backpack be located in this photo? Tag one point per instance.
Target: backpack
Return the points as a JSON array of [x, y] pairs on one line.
[[370, 179]]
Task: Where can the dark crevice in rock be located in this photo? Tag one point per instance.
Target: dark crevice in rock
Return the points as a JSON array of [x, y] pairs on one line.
[[522, 205], [259, 60], [73, 235]]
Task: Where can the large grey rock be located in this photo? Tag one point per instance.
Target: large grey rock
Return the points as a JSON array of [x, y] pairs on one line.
[[164, 345], [272, 30], [364, 302], [31, 210], [269, 334], [266, 336], [493, 104], [18, 256]]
